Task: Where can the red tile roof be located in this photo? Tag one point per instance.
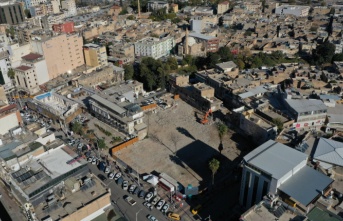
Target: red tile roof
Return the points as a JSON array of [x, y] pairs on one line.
[[23, 68], [31, 56]]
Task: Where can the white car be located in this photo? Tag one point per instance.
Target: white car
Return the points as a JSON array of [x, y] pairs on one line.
[[165, 208], [148, 196], [151, 218], [80, 145], [94, 161], [107, 169], [155, 200], [125, 185], [148, 205], [132, 188], [117, 176], [111, 176], [90, 159], [160, 204]]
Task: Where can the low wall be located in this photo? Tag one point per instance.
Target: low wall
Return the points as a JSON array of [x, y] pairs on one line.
[[123, 145]]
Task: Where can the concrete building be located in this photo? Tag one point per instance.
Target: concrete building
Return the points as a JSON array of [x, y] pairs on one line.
[[17, 51], [296, 10], [11, 13], [26, 79], [156, 5], [200, 44], [5, 65], [41, 10], [257, 128], [115, 106], [174, 7], [55, 107], [274, 168], [229, 68], [32, 3], [69, 7], [37, 61], [9, 118], [95, 55], [62, 53], [307, 113], [154, 47], [223, 7]]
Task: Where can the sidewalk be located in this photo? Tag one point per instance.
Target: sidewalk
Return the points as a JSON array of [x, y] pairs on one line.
[[10, 204]]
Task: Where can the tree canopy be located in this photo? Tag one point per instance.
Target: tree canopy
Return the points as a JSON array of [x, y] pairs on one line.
[[128, 71], [323, 53], [214, 166]]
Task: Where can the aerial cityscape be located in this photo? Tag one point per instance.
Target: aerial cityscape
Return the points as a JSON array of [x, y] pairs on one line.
[[192, 110]]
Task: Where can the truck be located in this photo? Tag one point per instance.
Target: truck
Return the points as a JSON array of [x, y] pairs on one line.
[[130, 200]]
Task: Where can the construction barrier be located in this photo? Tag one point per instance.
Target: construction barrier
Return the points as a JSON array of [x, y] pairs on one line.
[[123, 145], [149, 107]]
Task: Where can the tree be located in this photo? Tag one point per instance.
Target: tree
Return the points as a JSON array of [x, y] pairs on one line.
[[279, 124], [11, 73], [172, 62], [188, 59], [240, 64], [128, 71], [222, 130], [225, 54], [131, 17], [212, 59], [101, 144], [76, 128], [175, 138], [338, 57], [323, 53], [337, 90], [214, 166]]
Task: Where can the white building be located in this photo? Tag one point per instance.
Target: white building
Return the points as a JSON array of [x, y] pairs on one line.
[[156, 5], [26, 79], [70, 7], [16, 52], [5, 65], [296, 10], [154, 47], [274, 168], [338, 47], [38, 62]]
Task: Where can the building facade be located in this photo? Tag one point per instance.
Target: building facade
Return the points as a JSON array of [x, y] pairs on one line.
[[154, 47], [70, 7], [62, 53], [156, 5], [11, 14], [9, 118], [223, 7], [26, 79], [38, 62], [95, 55], [5, 65], [296, 10]]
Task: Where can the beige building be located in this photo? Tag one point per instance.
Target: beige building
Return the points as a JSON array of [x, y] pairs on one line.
[[26, 79], [62, 53], [9, 118], [223, 7], [95, 55]]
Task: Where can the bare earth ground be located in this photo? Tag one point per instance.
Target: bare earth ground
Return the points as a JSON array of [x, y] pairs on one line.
[[177, 130]]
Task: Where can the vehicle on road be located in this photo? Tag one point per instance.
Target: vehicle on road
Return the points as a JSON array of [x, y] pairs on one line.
[[148, 205], [174, 216], [141, 194], [111, 175], [151, 218], [160, 204], [148, 196], [130, 200], [125, 185], [155, 200], [165, 208], [117, 176], [132, 188], [136, 191], [102, 177], [196, 209]]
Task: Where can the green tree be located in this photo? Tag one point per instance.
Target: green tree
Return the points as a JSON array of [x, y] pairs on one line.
[[338, 57], [188, 59], [11, 73], [212, 59], [323, 53], [131, 17], [240, 64], [214, 166], [101, 144], [77, 128], [222, 130], [279, 124], [128, 71], [123, 12], [172, 62], [225, 54]]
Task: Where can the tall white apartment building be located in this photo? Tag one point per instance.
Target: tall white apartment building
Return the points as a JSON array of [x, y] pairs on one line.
[[296, 10], [154, 47], [70, 7]]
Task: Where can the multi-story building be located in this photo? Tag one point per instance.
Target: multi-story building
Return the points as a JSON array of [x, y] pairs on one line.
[[70, 7], [41, 10], [26, 79], [65, 27], [62, 53], [115, 106], [307, 113], [5, 65], [156, 5], [199, 44], [38, 62], [154, 47], [9, 118], [11, 13], [32, 3], [296, 10], [274, 168], [17, 51], [95, 55], [223, 7]]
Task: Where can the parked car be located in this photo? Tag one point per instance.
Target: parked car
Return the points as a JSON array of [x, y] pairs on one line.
[[136, 191], [165, 208], [90, 159], [155, 200], [125, 185], [102, 177], [141, 194], [117, 176], [79, 146], [148, 205], [94, 161], [174, 216], [160, 204], [132, 188], [151, 218], [107, 169], [111, 175], [148, 196], [120, 181]]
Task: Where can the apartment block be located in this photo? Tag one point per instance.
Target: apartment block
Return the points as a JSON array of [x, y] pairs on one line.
[[9, 118], [5, 65], [95, 55], [154, 47], [62, 53], [38, 62], [11, 14], [70, 7], [156, 5], [223, 7], [26, 79], [296, 10]]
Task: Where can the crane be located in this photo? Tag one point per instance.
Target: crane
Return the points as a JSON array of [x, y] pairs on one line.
[[205, 119]]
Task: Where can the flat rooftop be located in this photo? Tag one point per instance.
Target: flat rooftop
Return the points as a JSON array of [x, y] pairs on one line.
[[304, 105], [51, 164], [260, 121]]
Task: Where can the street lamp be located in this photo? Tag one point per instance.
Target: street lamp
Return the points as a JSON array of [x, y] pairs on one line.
[[137, 213]]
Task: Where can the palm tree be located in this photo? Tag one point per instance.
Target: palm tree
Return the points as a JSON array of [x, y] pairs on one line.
[[214, 166], [222, 130]]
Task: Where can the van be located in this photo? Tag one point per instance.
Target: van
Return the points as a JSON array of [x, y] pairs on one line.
[[174, 216], [196, 209]]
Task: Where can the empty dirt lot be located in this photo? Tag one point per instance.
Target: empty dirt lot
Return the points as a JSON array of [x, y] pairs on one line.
[[180, 146]]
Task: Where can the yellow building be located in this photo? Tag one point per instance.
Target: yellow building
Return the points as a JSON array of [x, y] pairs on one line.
[[223, 7], [174, 8], [95, 55]]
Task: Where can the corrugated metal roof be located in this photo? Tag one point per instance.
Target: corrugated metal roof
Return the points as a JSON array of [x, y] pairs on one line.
[[329, 151], [304, 105], [306, 185], [275, 158], [108, 104]]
